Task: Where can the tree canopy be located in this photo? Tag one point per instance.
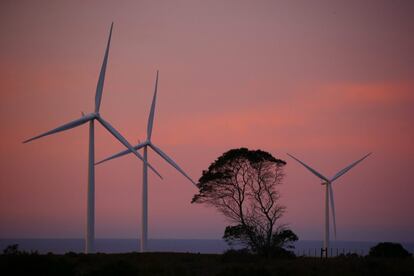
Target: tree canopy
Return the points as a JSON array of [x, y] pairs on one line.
[[241, 184]]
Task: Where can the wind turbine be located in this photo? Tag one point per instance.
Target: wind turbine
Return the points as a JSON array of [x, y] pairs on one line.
[[145, 145], [329, 197], [91, 117]]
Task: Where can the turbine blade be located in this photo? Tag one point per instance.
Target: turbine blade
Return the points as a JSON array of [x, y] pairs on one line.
[[152, 111], [123, 141], [170, 161], [64, 127], [343, 171], [100, 85], [122, 153], [310, 169], [331, 199]]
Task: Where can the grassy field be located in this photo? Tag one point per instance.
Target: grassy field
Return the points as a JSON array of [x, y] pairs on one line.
[[196, 264]]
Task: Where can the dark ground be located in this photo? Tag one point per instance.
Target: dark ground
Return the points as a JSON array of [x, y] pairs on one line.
[[197, 264]]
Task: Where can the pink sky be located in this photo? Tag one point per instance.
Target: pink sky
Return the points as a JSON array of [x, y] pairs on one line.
[[327, 81]]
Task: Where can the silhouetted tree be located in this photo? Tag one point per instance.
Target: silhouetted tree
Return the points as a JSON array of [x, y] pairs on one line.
[[389, 250], [242, 184], [12, 249]]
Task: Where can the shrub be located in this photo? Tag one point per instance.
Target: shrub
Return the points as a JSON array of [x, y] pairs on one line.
[[12, 249], [389, 250]]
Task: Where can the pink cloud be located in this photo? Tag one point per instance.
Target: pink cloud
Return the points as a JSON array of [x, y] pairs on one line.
[[325, 116]]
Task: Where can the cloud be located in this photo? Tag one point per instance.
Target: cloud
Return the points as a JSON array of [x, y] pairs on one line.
[[373, 93], [325, 116]]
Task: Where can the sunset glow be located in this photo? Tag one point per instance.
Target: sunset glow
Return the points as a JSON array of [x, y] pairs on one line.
[[327, 81]]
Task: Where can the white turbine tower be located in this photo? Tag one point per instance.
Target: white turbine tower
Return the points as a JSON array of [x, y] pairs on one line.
[[145, 145], [329, 197], [91, 117]]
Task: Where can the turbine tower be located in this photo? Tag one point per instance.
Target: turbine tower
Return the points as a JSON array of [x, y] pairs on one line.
[[91, 117], [329, 197], [145, 145]]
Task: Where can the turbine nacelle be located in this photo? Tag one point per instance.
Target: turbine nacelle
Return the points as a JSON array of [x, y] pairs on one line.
[[92, 115]]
